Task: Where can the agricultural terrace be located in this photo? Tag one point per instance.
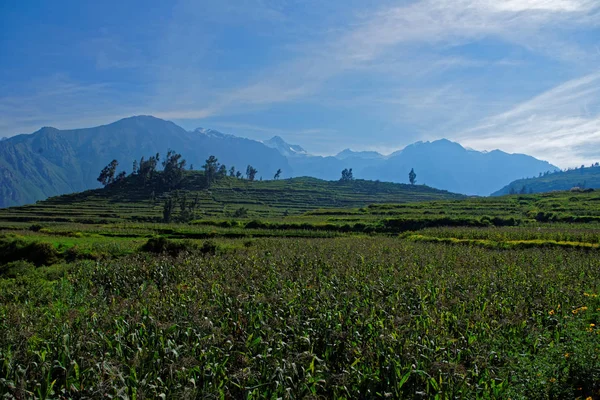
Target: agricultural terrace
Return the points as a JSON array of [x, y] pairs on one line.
[[267, 291]]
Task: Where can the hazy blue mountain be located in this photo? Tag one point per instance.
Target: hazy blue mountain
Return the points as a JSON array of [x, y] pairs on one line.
[[584, 178], [365, 155], [447, 165], [51, 161], [286, 149]]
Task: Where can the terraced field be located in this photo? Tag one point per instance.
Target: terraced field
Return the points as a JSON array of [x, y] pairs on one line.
[[261, 198], [317, 290]]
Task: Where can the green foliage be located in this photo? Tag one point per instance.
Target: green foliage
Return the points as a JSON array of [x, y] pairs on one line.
[[241, 212], [341, 318], [37, 253], [107, 175], [173, 167], [210, 169], [251, 173], [412, 176], [347, 175], [474, 298], [161, 245], [580, 178]]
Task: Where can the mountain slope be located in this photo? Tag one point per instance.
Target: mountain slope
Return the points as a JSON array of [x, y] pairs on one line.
[[367, 155], [447, 165], [51, 161], [561, 180], [285, 148], [128, 200]]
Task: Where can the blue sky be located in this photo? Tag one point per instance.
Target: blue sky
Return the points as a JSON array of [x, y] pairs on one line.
[[519, 75]]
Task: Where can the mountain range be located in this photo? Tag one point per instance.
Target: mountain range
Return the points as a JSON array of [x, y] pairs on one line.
[[50, 161], [582, 178]]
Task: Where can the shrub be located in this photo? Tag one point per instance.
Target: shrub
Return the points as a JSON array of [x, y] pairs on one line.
[[16, 268], [163, 245], [36, 252], [209, 247]]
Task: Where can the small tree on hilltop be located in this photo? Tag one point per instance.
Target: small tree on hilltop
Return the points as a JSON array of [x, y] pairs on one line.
[[210, 169], [107, 175], [222, 172], [147, 168], [173, 166], [168, 208], [412, 176], [251, 172], [347, 175], [277, 174]]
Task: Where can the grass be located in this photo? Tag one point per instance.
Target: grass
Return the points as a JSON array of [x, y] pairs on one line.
[[492, 298], [347, 317]]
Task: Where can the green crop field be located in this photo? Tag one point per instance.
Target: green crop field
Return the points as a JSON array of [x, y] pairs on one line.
[[301, 289]]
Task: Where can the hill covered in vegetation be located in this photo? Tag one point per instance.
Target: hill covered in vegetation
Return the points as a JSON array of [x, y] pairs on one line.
[[582, 178], [51, 161], [128, 199]]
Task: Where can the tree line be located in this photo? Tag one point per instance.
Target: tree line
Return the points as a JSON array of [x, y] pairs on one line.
[[177, 206], [173, 167], [347, 176]]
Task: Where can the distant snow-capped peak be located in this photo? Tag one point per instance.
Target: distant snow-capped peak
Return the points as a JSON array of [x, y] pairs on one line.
[[212, 133], [285, 148]]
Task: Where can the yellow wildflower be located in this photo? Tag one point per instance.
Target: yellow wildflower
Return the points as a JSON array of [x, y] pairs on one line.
[[552, 380], [580, 309], [551, 312], [567, 355]]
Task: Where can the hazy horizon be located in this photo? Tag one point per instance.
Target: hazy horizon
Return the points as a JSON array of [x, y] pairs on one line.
[[519, 76]]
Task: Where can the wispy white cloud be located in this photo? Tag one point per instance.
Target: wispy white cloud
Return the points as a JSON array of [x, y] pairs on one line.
[[561, 125], [61, 102], [366, 46], [396, 63]]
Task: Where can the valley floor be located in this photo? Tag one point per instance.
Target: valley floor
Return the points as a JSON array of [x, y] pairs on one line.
[[479, 298]]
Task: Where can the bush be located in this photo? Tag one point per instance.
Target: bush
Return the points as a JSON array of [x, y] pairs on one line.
[[36, 252], [209, 247], [163, 245], [36, 227], [16, 268]]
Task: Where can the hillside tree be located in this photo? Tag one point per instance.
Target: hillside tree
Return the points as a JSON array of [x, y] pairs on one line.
[[147, 168], [412, 176], [107, 175], [251, 172], [347, 175], [277, 174], [210, 169], [222, 172], [173, 166], [232, 172]]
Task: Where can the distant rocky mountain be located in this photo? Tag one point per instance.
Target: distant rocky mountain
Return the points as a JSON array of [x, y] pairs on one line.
[[447, 165], [286, 149], [441, 164], [583, 178], [50, 161], [365, 155]]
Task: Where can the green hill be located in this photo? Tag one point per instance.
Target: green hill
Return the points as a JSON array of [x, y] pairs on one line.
[[128, 201], [584, 178], [52, 162]]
